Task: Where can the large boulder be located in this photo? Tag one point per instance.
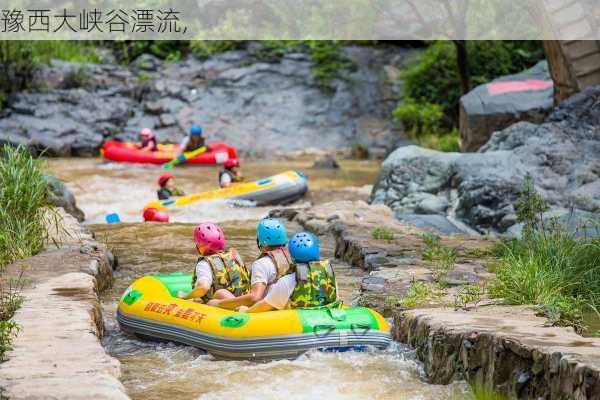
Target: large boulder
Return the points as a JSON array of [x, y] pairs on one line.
[[488, 108], [561, 155], [60, 196], [262, 107]]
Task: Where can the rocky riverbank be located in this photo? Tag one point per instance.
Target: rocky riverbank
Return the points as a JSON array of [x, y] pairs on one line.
[[57, 353], [262, 106], [503, 349], [395, 255], [457, 331], [447, 191]]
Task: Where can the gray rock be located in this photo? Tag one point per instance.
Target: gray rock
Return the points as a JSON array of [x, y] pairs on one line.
[[500, 103], [411, 170], [327, 162], [60, 196], [261, 108], [373, 284], [436, 223], [562, 157], [432, 205]]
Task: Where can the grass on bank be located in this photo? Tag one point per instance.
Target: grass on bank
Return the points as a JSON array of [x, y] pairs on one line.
[[549, 266], [23, 198]]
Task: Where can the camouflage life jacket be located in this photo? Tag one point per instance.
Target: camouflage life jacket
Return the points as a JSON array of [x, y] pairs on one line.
[[282, 260], [229, 272], [315, 285]]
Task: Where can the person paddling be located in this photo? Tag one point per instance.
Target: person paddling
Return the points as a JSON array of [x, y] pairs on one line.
[[166, 187], [218, 274], [230, 173], [148, 140], [267, 271]]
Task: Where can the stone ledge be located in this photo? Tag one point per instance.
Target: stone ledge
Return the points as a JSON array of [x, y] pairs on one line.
[[506, 349], [57, 353]]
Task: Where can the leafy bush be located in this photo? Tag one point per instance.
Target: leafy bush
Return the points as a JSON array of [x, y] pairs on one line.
[[23, 194], [433, 76], [417, 294], [206, 48], [419, 118], [382, 234], [550, 266], [19, 60]]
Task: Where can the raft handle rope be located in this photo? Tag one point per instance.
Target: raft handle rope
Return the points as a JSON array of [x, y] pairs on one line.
[[363, 328], [326, 328]]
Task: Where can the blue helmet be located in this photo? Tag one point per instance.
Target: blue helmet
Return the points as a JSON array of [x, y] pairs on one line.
[[304, 247], [196, 130], [271, 232]]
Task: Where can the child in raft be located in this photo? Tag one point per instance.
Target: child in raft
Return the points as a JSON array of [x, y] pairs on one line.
[[230, 173], [311, 285], [272, 274], [148, 140], [218, 274], [166, 187]]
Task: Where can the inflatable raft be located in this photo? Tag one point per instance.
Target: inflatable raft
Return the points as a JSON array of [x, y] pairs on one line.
[[149, 308], [129, 152], [282, 188]]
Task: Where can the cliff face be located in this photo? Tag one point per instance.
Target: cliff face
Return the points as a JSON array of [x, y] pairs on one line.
[[259, 106]]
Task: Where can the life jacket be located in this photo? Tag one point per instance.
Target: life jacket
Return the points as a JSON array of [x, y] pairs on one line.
[[315, 285], [164, 193], [282, 260], [234, 177], [145, 143], [229, 272]]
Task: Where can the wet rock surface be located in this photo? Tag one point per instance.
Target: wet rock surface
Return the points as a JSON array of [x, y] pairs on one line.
[[259, 107], [60, 196], [504, 349], [562, 156]]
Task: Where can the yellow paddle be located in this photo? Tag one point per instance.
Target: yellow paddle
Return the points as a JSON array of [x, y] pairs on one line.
[[183, 157]]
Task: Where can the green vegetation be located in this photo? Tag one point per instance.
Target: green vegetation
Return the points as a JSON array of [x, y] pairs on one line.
[[417, 294], [468, 294], [23, 196], [549, 267], [19, 60], [381, 233], [442, 257], [432, 85]]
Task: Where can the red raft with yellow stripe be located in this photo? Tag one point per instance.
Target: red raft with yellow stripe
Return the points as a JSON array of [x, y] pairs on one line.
[[113, 150]]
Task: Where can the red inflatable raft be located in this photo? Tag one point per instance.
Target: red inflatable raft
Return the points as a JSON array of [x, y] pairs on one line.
[[112, 150]]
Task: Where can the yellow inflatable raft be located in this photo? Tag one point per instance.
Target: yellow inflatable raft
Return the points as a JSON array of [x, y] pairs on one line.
[[150, 308], [281, 188]]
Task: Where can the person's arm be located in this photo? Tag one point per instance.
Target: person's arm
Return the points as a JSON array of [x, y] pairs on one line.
[[225, 180], [257, 292], [261, 306], [200, 290]]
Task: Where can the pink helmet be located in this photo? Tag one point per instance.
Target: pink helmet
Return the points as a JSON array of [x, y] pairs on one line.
[[147, 132], [209, 238]]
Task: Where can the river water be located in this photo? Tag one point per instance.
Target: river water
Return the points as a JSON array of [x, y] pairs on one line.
[[169, 371]]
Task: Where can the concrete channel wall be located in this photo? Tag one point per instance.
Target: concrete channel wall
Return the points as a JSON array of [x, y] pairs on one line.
[[57, 353]]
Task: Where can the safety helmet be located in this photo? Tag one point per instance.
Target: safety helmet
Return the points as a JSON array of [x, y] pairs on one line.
[[304, 247], [147, 133], [209, 238], [231, 163], [196, 130], [163, 178], [271, 232]]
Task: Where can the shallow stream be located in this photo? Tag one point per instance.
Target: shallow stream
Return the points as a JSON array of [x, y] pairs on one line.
[[164, 370]]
